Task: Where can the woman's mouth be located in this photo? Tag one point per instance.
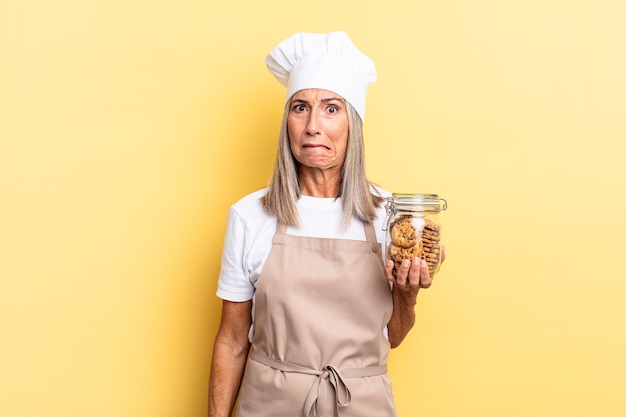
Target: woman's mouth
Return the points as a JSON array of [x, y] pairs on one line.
[[313, 145]]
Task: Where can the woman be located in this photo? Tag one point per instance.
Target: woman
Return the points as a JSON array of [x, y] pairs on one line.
[[302, 279]]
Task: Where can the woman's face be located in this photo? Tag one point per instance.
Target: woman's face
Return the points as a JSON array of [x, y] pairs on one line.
[[317, 124]]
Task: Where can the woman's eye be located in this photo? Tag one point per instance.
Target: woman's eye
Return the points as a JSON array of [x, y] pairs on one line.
[[332, 110], [299, 107]]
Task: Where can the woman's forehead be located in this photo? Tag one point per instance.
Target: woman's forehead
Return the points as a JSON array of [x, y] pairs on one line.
[[316, 93]]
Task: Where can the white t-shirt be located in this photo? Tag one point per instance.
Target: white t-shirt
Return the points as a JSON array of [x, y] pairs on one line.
[[250, 231]]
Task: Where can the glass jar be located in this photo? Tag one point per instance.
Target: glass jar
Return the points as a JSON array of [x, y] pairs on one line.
[[413, 229]]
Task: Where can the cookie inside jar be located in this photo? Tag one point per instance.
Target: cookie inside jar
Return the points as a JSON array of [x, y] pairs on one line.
[[413, 227]]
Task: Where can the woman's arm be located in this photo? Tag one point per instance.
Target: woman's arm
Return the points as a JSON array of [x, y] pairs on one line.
[[410, 277], [230, 352]]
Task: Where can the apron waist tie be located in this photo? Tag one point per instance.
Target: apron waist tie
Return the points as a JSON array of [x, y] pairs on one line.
[[329, 374]]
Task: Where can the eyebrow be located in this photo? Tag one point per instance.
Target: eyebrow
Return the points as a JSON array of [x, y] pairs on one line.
[[324, 100]]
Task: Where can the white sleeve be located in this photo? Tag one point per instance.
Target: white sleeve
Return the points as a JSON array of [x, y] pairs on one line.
[[234, 281]]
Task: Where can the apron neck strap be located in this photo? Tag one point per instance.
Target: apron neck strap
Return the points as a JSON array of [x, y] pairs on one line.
[[281, 228], [370, 233]]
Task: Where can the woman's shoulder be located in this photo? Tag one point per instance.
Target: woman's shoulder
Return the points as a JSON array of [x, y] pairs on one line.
[[250, 207], [251, 200], [379, 191]]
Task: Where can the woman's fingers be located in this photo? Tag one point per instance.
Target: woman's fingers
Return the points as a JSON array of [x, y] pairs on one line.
[[389, 271], [425, 280], [410, 275]]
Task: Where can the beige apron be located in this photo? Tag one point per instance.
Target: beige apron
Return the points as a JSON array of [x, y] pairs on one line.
[[318, 347]]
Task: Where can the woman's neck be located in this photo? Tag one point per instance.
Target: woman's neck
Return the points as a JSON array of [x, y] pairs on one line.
[[321, 184]]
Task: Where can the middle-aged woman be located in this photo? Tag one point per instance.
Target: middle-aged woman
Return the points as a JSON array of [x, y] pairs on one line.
[[303, 280]]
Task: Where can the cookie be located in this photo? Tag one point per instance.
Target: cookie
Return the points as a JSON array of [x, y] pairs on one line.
[[433, 257], [398, 253], [412, 237], [430, 244], [430, 225], [403, 234], [429, 232], [431, 237]]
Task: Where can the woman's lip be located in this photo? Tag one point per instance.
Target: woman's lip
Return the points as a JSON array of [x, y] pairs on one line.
[[314, 145]]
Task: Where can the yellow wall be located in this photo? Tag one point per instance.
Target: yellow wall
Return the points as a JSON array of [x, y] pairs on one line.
[[127, 129]]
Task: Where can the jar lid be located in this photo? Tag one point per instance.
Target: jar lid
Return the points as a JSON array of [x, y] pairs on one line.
[[419, 202]]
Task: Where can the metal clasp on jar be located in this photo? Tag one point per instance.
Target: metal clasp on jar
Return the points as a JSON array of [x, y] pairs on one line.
[[391, 210]]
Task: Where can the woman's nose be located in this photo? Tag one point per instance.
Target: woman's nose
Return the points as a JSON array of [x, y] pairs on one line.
[[313, 124]]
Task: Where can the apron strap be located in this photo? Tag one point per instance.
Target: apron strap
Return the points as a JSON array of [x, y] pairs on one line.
[[329, 375], [281, 228], [370, 233]]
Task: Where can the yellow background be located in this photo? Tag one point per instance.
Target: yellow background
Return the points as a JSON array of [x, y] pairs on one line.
[[127, 129]]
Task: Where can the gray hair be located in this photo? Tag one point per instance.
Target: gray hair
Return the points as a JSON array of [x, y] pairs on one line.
[[359, 198]]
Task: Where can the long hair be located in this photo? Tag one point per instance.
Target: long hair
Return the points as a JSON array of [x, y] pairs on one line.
[[356, 191]]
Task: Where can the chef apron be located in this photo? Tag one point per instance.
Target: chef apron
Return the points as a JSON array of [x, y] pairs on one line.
[[318, 348]]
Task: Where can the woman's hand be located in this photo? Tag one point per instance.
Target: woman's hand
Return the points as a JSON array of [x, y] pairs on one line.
[[230, 352], [412, 275]]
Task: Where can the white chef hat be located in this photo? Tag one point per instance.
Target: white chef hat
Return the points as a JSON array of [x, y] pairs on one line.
[[326, 61]]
